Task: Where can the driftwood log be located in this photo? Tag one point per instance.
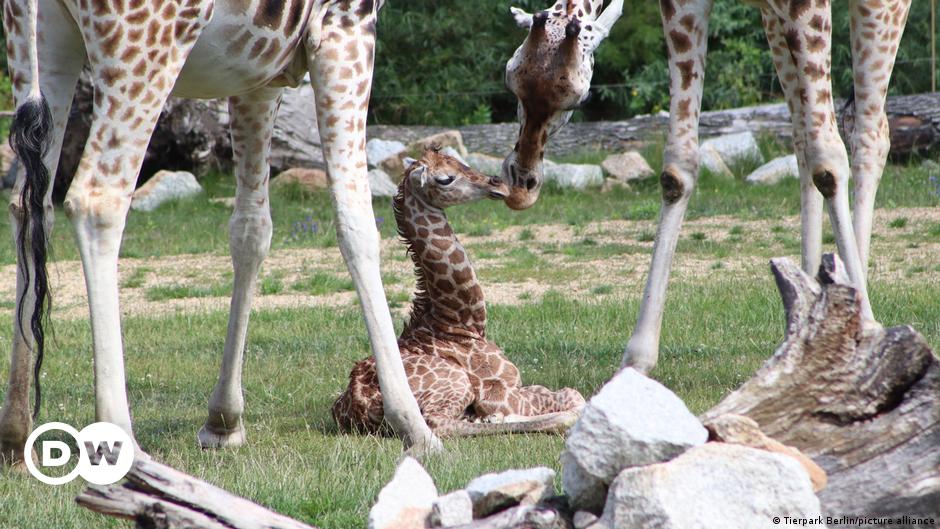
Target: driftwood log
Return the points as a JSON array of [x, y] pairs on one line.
[[861, 400]]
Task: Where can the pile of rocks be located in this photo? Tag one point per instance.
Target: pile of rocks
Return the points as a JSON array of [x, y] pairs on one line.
[[411, 500], [637, 458]]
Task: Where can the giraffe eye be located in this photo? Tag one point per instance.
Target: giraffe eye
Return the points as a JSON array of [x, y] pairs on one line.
[[444, 180]]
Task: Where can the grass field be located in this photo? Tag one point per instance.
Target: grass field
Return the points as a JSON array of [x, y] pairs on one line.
[[563, 279]]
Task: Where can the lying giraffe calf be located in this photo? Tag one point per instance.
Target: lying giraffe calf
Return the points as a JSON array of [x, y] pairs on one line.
[[455, 373]]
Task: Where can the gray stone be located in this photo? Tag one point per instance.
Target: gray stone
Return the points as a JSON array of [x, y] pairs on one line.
[[584, 519], [381, 184], [632, 421], [495, 492], [775, 170], [455, 508], [378, 150], [716, 486], [627, 167], [575, 176], [406, 502], [164, 187], [734, 148], [710, 160], [486, 164]]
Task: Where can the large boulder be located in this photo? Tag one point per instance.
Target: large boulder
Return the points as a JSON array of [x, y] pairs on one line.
[[775, 170], [632, 421], [165, 186], [711, 161], [449, 138], [627, 167], [741, 430], [495, 492], [577, 176], [407, 501], [381, 184], [734, 148], [716, 486], [378, 150], [455, 508], [486, 164], [308, 180]]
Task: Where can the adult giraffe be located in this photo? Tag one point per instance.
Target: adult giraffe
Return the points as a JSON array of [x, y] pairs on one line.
[[550, 74], [139, 52]]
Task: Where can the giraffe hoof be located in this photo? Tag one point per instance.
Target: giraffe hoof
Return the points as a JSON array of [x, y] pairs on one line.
[[495, 418], [13, 460], [211, 438], [425, 447]]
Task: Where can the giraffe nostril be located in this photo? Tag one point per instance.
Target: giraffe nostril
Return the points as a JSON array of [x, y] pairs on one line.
[[530, 184]]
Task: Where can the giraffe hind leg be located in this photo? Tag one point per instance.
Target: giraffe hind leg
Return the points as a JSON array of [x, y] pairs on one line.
[[250, 231]]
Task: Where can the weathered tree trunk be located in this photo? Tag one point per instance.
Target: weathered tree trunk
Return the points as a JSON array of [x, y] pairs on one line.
[[159, 497], [861, 400]]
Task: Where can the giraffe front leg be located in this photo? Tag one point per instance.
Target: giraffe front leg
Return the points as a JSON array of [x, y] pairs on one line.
[[250, 230], [61, 58], [809, 35], [342, 77], [876, 32], [132, 80], [686, 28]]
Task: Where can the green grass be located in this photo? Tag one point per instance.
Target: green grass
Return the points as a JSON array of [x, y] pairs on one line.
[[717, 331]]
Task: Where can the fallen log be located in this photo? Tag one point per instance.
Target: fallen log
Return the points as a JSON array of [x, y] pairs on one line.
[[156, 496], [861, 400]]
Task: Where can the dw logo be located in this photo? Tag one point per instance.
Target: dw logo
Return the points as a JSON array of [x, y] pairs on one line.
[[105, 453]]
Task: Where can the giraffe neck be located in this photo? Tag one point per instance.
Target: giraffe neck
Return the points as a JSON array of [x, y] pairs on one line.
[[448, 299]]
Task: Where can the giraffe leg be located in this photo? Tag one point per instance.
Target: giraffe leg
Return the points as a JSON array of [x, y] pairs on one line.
[[809, 33], [882, 23], [128, 100], [61, 59], [686, 28], [811, 201], [342, 77], [249, 240]]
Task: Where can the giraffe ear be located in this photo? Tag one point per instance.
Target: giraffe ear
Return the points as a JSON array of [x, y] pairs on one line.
[[523, 19], [417, 171]]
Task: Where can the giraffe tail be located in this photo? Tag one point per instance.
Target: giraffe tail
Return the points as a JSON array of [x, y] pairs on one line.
[[30, 137], [550, 423]]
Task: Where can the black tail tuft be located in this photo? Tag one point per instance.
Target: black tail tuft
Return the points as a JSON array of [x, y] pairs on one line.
[[30, 136]]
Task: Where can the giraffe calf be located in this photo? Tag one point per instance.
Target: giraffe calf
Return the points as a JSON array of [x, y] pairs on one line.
[[463, 383]]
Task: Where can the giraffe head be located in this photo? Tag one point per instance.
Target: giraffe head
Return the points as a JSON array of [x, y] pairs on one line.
[[441, 181], [550, 74]]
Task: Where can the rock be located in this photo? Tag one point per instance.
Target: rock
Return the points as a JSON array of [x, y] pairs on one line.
[[164, 187], [716, 486], [455, 508], [632, 421], [308, 180], [627, 167], [378, 150], [452, 152], [6, 157], [450, 138], [486, 164], [734, 148], [394, 165], [710, 160], [741, 430], [406, 502], [491, 493], [381, 184], [584, 519], [574, 175], [775, 170]]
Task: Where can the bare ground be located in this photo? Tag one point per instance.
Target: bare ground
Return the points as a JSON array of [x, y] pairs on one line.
[[897, 253]]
